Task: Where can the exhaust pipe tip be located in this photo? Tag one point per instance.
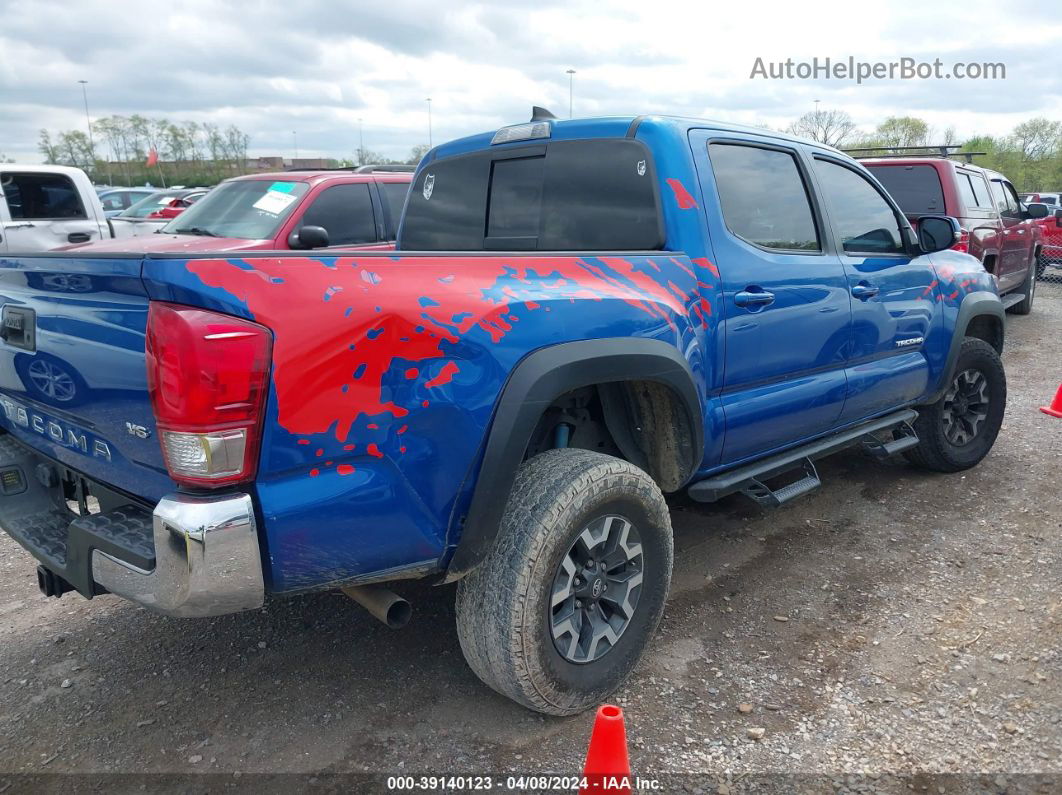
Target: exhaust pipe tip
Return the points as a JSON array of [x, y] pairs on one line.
[[399, 613], [382, 603]]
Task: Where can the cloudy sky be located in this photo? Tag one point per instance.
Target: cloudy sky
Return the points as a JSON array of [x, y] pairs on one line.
[[316, 67]]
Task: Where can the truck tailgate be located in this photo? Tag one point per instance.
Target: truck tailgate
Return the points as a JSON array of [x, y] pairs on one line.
[[73, 383]]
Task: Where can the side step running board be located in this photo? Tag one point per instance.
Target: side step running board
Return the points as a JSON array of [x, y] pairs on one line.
[[903, 438], [1010, 299], [750, 478], [764, 495]]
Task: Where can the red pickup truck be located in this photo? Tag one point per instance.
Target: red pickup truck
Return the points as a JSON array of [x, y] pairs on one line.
[[1051, 253], [287, 210], [996, 227]]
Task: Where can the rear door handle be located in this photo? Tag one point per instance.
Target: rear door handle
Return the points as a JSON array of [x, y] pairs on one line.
[[753, 298], [864, 291], [78, 237]]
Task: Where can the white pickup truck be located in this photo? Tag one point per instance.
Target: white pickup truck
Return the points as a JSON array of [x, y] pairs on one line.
[[45, 207]]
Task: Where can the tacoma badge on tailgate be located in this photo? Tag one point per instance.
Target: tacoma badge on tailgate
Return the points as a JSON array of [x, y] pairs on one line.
[[64, 434]]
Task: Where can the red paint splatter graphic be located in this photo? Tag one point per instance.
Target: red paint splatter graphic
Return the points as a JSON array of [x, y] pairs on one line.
[[373, 450], [331, 357], [682, 196], [345, 469], [704, 263], [314, 473], [445, 375]]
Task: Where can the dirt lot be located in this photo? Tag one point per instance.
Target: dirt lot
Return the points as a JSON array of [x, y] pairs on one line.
[[892, 632]]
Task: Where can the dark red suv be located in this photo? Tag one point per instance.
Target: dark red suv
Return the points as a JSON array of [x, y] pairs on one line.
[[996, 227]]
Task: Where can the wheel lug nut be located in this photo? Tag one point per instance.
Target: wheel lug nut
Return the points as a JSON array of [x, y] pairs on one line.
[[578, 602]]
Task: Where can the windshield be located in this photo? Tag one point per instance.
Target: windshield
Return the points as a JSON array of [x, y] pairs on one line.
[[247, 209], [152, 204]]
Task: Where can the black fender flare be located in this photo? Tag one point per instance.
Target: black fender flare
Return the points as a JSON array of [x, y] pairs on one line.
[[533, 385], [976, 304]]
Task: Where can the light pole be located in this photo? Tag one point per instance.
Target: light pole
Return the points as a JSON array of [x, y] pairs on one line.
[[428, 100], [361, 145], [88, 122], [571, 79], [295, 144]]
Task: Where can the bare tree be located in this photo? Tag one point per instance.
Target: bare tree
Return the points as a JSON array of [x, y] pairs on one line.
[[47, 148], [416, 154], [830, 127]]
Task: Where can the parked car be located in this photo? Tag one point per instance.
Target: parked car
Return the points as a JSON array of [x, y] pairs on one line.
[[581, 315], [286, 210], [44, 207], [996, 227], [117, 200], [1052, 200], [146, 216]]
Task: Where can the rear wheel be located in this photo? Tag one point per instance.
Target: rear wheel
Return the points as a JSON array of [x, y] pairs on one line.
[[562, 609], [957, 431], [1024, 306]]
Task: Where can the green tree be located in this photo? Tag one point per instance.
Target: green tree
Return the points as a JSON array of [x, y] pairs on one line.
[[902, 131]]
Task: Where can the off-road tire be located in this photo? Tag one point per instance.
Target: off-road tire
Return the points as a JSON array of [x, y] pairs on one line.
[[1025, 306], [934, 450], [503, 606]]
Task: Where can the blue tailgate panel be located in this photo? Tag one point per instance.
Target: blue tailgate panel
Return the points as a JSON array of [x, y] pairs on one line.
[[72, 395]]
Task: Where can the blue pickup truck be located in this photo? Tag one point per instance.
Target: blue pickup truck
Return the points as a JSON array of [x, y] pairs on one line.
[[581, 316]]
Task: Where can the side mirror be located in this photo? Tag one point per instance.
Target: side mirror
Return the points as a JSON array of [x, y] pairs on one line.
[[309, 237], [937, 233], [1036, 210], [1058, 217]]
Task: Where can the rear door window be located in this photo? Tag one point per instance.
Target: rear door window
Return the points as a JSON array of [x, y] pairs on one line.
[[966, 192], [41, 197], [916, 189], [980, 186], [597, 195], [763, 197], [864, 220], [345, 211], [394, 197]]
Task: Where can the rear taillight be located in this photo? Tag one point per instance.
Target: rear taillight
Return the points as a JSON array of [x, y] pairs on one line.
[[963, 244], [208, 376]]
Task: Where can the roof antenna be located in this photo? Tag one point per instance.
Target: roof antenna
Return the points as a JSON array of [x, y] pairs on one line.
[[540, 114]]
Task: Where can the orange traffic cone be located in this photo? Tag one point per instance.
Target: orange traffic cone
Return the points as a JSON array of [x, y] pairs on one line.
[[607, 769], [1055, 409]]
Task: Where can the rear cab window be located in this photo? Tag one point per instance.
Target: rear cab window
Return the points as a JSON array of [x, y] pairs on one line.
[[916, 188], [41, 197], [583, 195]]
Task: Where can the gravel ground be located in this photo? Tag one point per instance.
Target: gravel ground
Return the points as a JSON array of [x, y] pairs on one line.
[[895, 631]]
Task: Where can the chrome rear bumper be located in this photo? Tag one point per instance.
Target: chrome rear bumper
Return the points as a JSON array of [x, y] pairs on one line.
[[207, 560]]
